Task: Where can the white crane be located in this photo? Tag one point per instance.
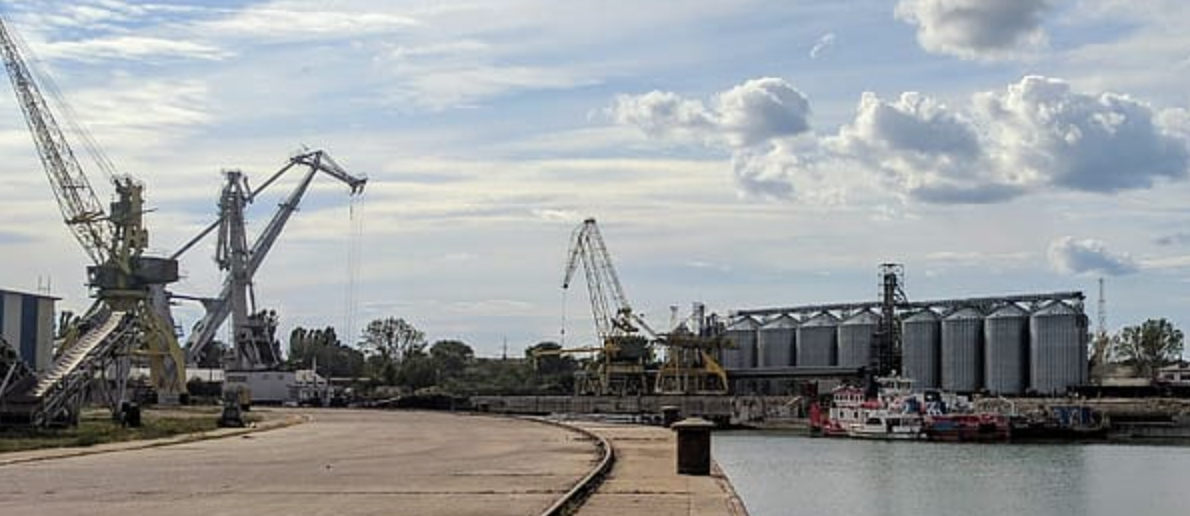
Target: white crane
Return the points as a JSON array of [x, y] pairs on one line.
[[254, 349]]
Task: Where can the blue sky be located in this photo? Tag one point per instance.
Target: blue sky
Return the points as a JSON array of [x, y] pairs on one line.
[[743, 154]]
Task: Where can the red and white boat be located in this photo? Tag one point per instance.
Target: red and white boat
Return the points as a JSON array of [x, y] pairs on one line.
[[897, 413]]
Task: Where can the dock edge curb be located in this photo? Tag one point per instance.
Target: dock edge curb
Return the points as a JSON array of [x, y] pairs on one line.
[[735, 504], [570, 502]]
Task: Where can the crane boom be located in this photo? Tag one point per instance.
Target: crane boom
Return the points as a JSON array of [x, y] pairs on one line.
[[613, 315], [77, 201], [243, 265]]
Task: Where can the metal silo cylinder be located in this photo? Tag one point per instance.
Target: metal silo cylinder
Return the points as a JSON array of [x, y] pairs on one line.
[[921, 339], [775, 342], [742, 334], [1057, 348], [816, 341], [1006, 350], [856, 334], [962, 351]]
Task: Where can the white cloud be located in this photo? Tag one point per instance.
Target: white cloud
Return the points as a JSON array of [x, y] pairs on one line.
[[824, 43], [755, 112], [1036, 135], [1045, 131], [663, 115], [760, 110], [976, 29], [928, 149], [556, 215], [130, 47], [751, 119], [765, 174], [297, 20], [1088, 256], [129, 103], [442, 86]]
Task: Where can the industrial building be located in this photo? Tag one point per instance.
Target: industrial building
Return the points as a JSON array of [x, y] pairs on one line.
[[27, 324], [1005, 345]]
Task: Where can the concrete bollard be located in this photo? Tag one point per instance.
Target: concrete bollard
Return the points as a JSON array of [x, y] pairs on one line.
[[670, 415], [694, 446]]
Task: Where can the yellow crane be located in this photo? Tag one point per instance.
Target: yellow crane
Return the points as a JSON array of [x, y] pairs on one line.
[[627, 342], [122, 277]]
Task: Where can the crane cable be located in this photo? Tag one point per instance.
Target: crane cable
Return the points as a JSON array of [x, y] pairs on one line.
[[354, 259], [562, 334]]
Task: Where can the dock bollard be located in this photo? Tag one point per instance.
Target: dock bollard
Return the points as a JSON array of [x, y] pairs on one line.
[[694, 446], [669, 415]]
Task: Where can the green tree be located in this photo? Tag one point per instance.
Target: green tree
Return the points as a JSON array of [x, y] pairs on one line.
[[393, 338], [322, 346], [396, 348], [450, 357], [1150, 346], [416, 372]]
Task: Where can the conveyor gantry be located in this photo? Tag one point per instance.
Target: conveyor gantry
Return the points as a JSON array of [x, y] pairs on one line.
[[53, 394]]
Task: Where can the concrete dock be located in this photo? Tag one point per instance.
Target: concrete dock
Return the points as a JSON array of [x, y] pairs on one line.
[[342, 462], [644, 479]]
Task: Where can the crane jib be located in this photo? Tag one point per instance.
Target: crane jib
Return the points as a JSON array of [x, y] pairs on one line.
[[77, 201]]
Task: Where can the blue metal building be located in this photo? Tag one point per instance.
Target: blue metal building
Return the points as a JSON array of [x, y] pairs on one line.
[[27, 323]]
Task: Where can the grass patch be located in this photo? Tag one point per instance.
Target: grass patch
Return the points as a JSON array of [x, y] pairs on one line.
[[96, 427]]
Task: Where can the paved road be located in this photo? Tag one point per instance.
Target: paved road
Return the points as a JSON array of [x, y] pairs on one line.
[[341, 463]]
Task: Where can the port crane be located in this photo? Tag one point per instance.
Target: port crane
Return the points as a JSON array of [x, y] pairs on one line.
[[254, 346], [121, 322], [626, 341], [619, 365]]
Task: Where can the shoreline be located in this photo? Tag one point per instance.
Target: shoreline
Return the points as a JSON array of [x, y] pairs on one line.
[[643, 477]]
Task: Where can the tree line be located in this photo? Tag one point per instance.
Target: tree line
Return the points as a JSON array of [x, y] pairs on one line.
[[393, 352], [1147, 347]]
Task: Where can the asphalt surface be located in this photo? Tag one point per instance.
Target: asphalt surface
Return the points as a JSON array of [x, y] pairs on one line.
[[343, 462]]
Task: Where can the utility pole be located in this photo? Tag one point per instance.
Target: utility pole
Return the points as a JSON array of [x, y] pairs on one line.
[[1101, 342], [1102, 310]]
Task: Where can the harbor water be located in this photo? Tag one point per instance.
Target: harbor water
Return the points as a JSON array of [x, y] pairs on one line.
[[782, 474]]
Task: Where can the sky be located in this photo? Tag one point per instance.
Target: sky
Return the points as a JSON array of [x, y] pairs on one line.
[[741, 154]]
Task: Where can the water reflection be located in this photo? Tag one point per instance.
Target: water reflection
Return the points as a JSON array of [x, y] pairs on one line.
[[782, 474]]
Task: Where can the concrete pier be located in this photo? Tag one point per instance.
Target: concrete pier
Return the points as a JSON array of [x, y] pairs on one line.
[[342, 462], [644, 479]]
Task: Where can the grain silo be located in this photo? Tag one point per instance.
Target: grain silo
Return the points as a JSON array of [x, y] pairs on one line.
[[775, 342], [1006, 350], [742, 353], [920, 349], [856, 336], [816, 341], [962, 350], [1057, 348]]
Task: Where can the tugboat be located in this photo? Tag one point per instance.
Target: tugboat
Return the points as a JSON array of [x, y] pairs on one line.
[[981, 424], [894, 414]]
